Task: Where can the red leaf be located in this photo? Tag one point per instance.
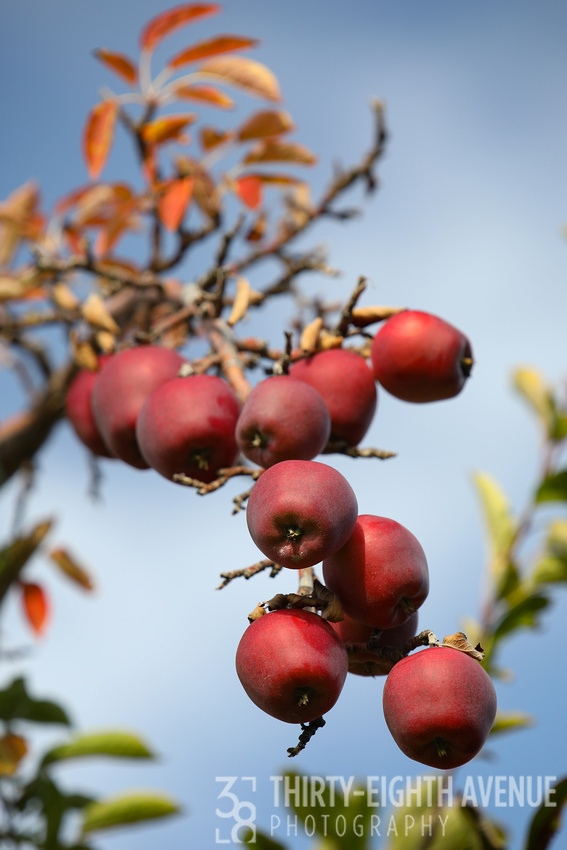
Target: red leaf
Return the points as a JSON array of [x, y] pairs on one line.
[[211, 47], [98, 136], [206, 94], [120, 64], [36, 606], [163, 24], [249, 190], [174, 202]]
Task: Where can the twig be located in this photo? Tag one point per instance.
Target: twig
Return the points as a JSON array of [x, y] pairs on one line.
[[309, 730], [224, 475], [248, 572], [340, 447]]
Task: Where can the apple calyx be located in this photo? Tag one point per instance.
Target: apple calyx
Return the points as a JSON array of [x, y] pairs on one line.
[[294, 533], [441, 748], [303, 696], [466, 366]]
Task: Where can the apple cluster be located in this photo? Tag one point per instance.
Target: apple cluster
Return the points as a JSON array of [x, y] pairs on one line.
[[147, 407]]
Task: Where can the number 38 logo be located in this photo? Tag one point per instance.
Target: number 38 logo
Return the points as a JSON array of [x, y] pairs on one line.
[[242, 812]]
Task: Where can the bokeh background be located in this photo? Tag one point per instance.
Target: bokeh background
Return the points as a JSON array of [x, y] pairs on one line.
[[468, 223]]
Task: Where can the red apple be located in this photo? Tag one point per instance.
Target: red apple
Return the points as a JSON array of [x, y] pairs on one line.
[[301, 511], [347, 386], [122, 388], [187, 425], [292, 665], [380, 574], [368, 663], [419, 357], [283, 419], [79, 411], [439, 705]]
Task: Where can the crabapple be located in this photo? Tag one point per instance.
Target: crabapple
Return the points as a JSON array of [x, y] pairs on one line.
[[419, 357], [121, 389], [439, 705], [187, 425], [292, 665], [283, 419], [380, 574], [366, 662], [301, 511], [79, 411], [345, 381]]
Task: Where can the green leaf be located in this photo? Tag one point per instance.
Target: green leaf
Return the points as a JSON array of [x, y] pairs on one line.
[[549, 570], [532, 386], [508, 721], [560, 429], [553, 488], [261, 842], [126, 809], [16, 704], [42, 793], [546, 821], [521, 615], [109, 743], [15, 556]]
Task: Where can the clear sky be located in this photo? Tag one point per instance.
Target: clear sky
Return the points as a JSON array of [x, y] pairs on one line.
[[468, 224]]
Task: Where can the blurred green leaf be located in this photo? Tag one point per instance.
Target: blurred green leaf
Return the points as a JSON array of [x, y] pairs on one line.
[[109, 743], [127, 809], [522, 614], [553, 488], [501, 527], [549, 570], [14, 557], [508, 721], [42, 793], [560, 430], [546, 821], [16, 704], [532, 386], [261, 842], [553, 565]]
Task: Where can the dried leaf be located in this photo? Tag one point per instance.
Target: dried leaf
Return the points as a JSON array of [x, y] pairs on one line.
[[461, 642], [12, 750], [174, 202], [120, 64], [249, 190], [258, 612], [265, 123], [36, 606], [329, 340], [105, 341], [98, 136], [17, 214], [333, 610], [166, 129], [205, 94], [360, 317], [211, 47], [310, 335], [64, 297], [211, 138], [69, 566], [271, 150], [167, 22], [204, 190], [83, 353], [241, 301], [258, 229], [243, 73], [95, 312]]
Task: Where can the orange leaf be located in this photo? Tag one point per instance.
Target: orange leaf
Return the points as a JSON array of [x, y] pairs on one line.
[[163, 24], [98, 136], [276, 151], [36, 606], [166, 129], [210, 137], [120, 64], [211, 47], [265, 123], [174, 202], [244, 73], [12, 750], [249, 190], [69, 566], [206, 94]]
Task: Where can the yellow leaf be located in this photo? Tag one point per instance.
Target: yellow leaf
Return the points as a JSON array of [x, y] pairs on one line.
[[310, 334], [64, 297], [166, 129], [243, 73], [95, 312], [12, 750], [205, 94], [241, 301]]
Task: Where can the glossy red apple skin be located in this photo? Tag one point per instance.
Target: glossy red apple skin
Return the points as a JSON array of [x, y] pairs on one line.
[[122, 388], [286, 653], [419, 357], [380, 574], [79, 411], [367, 663], [187, 425], [346, 383], [283, 419], [439, 695], [301, 511]]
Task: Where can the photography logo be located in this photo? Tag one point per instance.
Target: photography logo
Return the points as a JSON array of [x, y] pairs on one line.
[[239, 814]]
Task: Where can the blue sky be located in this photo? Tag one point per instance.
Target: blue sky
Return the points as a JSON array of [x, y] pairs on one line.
[[468, 224]]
